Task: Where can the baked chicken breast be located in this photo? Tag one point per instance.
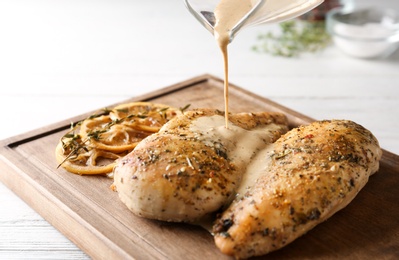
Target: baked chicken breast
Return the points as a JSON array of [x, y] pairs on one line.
[[193, 165], [308, 174]]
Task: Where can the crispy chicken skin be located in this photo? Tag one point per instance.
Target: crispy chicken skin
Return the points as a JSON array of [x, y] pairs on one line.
[[310, 173], [188, 169]]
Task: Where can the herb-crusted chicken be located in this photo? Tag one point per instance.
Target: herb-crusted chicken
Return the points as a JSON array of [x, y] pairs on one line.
[[193, 165], [310, 173]]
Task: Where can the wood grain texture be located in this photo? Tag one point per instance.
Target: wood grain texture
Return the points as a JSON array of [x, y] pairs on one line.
[[88, 212]]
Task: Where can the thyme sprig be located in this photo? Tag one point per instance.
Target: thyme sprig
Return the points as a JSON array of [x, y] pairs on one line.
[[183, 109], [296, 37], [74, 145], [73, 142]]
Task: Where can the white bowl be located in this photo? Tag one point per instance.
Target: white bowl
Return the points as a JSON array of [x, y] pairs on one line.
[[364, 33]]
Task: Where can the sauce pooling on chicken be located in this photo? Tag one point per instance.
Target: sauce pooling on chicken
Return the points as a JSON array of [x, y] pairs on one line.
[[248, 148]]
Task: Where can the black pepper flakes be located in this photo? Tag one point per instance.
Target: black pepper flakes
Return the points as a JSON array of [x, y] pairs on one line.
[[314, 214]]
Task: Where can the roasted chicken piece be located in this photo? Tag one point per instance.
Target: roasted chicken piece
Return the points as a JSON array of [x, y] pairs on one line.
[[193, 165], [309, 174]]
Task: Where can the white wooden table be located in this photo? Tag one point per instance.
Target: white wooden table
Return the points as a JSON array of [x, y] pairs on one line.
[[59, 59]]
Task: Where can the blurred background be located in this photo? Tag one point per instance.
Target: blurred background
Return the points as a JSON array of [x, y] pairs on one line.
[[112, 50]]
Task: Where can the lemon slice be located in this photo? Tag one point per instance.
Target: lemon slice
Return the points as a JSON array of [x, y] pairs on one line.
[[92, 162], [144, 116], [103, 133], [94, 144]]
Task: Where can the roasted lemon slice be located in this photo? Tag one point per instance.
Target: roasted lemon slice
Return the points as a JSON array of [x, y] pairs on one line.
[[144, 116], [106, 134], [93, 144], [90, 162]]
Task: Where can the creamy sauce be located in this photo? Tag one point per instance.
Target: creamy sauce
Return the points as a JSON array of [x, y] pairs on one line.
[[227, 14], [254, 171], [242, 145], [247, 149]]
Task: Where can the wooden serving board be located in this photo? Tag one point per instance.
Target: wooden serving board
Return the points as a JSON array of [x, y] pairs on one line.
[[89, 213]]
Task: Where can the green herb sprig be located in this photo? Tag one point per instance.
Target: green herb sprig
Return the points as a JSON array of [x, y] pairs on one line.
[[296, 37], [73, 142]]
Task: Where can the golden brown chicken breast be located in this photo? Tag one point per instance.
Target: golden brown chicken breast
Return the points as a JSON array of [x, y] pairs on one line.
[[307, 175]]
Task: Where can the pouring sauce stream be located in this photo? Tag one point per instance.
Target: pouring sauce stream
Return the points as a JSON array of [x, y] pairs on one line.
[[228, 13]]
